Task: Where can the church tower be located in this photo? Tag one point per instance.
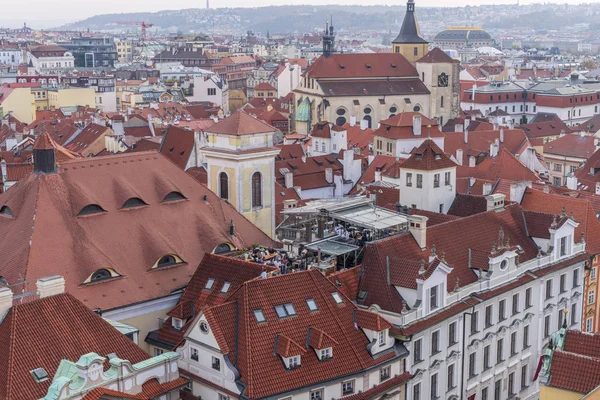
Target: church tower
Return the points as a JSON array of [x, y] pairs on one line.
[[409, 42], [328, 39]]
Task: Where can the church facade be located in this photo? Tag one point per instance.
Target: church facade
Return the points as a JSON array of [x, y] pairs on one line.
[[367, 88]]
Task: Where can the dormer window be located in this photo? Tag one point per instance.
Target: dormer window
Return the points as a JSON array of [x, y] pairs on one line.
[[6, 211], [91, 209], [173, 196], [101, 275], [177, 323], [225, 287], [336, 297], [260, 317], [563, 246], [325, 354], [433, 298], [292, 362], [209, 283], [134, 202], [168, 261]]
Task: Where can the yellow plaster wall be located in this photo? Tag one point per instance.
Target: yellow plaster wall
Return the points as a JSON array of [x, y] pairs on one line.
[[146, 323], [70, 97], [214, 180], [261, 217], [407, 50], [20, 101], [550, 393]]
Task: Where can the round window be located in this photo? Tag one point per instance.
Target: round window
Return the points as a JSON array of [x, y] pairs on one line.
[[503, 265], [204, 327], [367, 110], [417, 109], [341, 111], [393, 110]]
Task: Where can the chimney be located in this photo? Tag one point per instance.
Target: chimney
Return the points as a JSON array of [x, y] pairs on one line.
[[487, 189], [329, 175], [496, 124], [364, 124], [13, 126], [501, 135], [231, 228], [596, 144], [417, 125], [289, 179], [459, 156], [459, 128], [466, 136], [467, 123], [417, 226], [6, 301], [3, 168], [472, 161], [495, 202], [50, 286], [531, 157], [352, 120], [377, 174]]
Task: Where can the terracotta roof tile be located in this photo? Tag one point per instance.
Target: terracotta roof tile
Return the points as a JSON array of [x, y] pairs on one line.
[[572, 145], [177, 145], [241, 123], [361, 65], [428, 157], [574, 372], [400, 126], [436, 55]]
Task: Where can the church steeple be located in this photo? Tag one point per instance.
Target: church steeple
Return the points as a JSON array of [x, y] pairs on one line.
[[328, 39], [409, 42]]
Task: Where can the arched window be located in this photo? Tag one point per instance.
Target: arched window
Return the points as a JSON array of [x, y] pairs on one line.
[[222, 248], [173, 196], [101, 275], [134, 202], [441, 101], [256, 190], [91, 209], [340, 121], [6, 211], [369, 120], [223, 186], [168, 260]]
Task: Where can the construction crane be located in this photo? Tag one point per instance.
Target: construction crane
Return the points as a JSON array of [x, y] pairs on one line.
[[143, 24]]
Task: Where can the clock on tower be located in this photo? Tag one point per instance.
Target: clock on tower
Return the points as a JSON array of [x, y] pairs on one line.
[[442, 80]]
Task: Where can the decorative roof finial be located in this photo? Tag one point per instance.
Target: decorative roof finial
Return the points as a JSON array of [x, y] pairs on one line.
[[404, 307], [507, 245], [572, 214], [421, 267], [433, 250], [500, 238], [564, 211], [457, 285], [554, 222], [493, 248], [443, 256]]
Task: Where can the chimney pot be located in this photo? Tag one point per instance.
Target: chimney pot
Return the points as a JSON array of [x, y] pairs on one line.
[[417, 226], [50, 286]]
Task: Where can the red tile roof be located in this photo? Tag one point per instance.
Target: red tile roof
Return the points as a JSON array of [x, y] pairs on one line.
[[479, 142], [428, 157], [264, 374], [465, 205], [503, 166], [361, 66], [583, 212], [436, 55], [400, 126], [241, 123], [588, 175], [290, 152], [88, 136], [150, 390], [347, 281], [458, 238], [574, 372], [196, 297], [129, 241], [177, 145], [545, 128], [264, 86], [572, 145], [379, 162], [44, 142], [41, 333], [308, 174], [382, 388]]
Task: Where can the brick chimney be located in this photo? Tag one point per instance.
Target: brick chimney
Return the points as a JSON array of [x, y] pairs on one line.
[[417, 226], [50, 286]]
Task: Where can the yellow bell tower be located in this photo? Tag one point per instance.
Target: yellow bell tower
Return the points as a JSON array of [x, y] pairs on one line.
[[409, 42]]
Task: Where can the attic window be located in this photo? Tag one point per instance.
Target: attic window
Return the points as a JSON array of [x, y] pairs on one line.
[[260, 317], [40, 375], [101, 275], [168, 261], [174, 196], [336, 297], [134, 202], [285, 310], [222, 249], [312, 305], [91, 209], [393, 66], [6, 211], [342, 66], [225, 287], [209, 283]]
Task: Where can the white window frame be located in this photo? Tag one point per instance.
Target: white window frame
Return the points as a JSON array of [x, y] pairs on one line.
[[381, 340], [591, 297]]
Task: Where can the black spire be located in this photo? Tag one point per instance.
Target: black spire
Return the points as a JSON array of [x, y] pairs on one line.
[[409, 33], [328, 39]]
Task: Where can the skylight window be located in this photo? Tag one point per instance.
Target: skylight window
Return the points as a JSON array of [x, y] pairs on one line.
[[173, 196], [134, 202], [312, 305], [209, 283], [361, 295], [6, 211], [285, 310], [260, 317], [40, 374], [225, 287], [336, 297]]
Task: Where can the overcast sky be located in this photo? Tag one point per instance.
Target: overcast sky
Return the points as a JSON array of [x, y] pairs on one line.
[[47, 13]]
